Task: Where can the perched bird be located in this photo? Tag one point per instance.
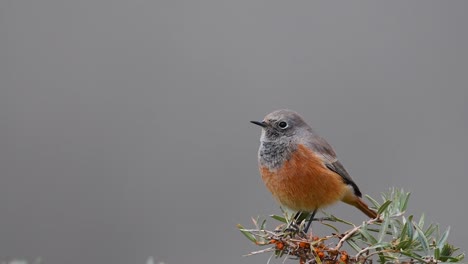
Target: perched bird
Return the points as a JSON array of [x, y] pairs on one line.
[[301, 169]]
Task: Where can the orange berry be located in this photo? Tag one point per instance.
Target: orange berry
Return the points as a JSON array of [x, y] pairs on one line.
[[344, 256], [304, 244], [279, 245]]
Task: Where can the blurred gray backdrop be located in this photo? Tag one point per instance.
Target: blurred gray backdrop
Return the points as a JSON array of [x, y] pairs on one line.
[[124, 126]]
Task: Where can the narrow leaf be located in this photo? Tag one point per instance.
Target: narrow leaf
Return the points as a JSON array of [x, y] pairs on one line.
[[367, 235], [279, 218], [255, 220], [430, 230], [422, 239], [395, 226], [447, 250], [404, 204], [443, 238], [376, 230], [383, 228], [373, 201], [437, 254], [421, 222], [404, 232], [382, 258], [413, 255], [460, 257], [247, 234], [409, 230], [452, 259], [405, 244], [353, 244], [336, 219], [379, 245], [383, 207], [262, 226], [332, 227]]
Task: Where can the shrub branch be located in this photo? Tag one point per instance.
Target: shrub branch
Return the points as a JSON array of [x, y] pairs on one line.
[[390, 238]]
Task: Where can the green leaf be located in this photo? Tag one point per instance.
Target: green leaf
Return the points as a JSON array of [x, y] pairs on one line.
[[430, 230], [373, 201], [367, 235], [405, 244], [353, 244], [421, 222], [398, 222], [409, 230], [437, 254], [247, 234], [459, 258], [332, 227], [255, 221], [450, 259], [406, 236], [376, 230], [262, 226], [336, 219], [404, 231], [379, 245], [382, 258], [396, 225], [383, 228], [404, 204], [387, 256], [447, 251], [422, 239], [279, 218], [383, 207], [286, 214], [413, 255], [443, 238]]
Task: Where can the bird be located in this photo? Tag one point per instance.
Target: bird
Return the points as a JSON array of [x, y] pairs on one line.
[[301, 169]]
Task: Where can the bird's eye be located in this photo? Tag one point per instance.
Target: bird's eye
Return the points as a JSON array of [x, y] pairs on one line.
[[282, 125]]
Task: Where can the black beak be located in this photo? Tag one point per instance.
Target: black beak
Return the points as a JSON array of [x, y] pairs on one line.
[[262, 124]]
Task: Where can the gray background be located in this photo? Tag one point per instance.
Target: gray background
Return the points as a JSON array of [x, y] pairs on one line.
[[124, 126]]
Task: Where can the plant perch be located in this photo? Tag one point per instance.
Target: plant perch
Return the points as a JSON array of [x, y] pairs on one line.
[[392, 238]]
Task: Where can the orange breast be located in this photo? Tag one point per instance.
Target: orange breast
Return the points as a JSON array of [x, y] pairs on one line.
[[303, 182]]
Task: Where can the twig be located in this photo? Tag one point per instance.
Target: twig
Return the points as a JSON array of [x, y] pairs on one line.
[[373, 253], [260, 251], [351, 232], [348, 233]]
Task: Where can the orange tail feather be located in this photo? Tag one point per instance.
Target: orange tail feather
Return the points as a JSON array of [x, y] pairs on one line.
[[361, 205]]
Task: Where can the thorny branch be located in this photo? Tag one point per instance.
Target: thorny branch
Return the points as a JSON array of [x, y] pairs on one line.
[[392, 236]]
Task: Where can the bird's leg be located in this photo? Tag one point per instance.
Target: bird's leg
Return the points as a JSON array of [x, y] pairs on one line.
[[294, 225], [310, 221], [297, 217]]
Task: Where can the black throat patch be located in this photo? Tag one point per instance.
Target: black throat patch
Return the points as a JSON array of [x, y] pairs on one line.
[[273, 154]]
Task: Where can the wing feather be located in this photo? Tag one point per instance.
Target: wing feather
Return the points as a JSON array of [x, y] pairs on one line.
[[321, 147]]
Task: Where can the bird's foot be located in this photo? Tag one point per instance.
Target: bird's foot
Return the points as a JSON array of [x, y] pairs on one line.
[[292, 228]]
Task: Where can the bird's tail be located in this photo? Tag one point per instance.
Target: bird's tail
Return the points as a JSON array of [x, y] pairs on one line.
[[361, 205]]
